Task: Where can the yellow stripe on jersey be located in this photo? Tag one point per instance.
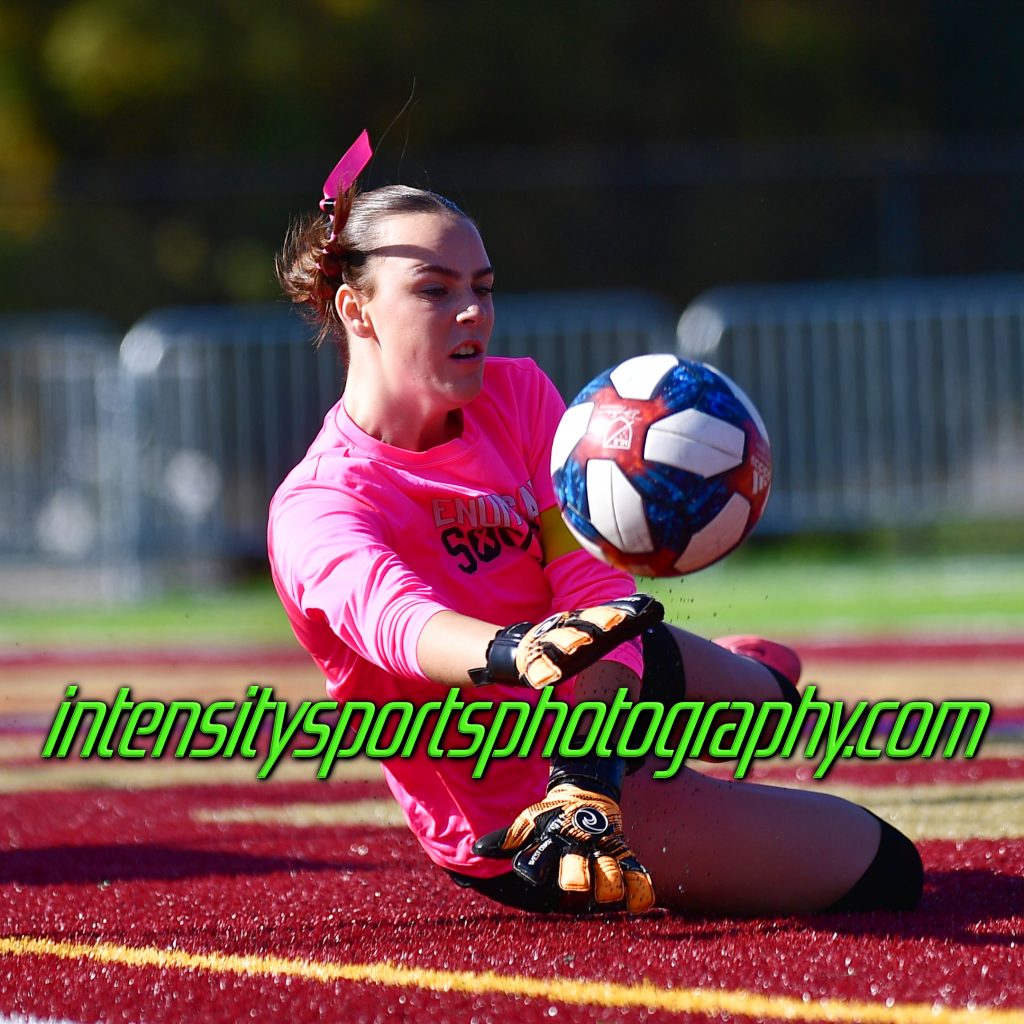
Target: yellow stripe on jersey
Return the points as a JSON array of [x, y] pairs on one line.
[[555, 538]]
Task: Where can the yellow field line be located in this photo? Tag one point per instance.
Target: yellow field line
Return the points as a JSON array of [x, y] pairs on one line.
[[557, 990]]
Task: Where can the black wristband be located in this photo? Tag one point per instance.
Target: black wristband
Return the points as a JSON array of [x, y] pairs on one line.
[[501, 656], [602, 775]]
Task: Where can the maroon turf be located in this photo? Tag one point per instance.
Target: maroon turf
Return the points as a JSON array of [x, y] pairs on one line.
[[138, 869]]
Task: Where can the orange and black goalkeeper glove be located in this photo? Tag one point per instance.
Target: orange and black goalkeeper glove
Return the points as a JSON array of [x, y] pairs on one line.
[[572, 840], [564, 644]]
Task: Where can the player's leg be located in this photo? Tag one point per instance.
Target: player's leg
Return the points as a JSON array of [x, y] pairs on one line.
[[683, 666], [781, 661], [742, 848]]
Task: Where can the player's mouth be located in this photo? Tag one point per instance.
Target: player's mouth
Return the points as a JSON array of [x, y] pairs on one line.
[[467, 350]]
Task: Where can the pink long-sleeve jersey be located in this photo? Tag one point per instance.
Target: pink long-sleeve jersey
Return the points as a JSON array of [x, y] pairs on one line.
[[367, 542]]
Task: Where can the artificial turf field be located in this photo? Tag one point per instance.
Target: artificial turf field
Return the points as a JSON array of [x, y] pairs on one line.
[[155, 891]]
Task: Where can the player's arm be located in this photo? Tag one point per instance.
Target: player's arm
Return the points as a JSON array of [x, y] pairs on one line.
[[572, 841], [457, 649], [334, 564], [452, 644]]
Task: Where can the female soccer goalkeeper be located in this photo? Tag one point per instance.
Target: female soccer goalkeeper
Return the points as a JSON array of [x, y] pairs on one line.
[[422, 523]]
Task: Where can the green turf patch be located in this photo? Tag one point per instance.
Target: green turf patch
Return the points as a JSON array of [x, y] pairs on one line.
[[236, 617], [772, 592], [840, 596]]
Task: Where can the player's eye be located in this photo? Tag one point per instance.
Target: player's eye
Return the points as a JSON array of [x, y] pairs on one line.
[[434, 291], [484, 290]]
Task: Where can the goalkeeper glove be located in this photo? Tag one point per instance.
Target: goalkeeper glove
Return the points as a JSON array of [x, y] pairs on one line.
[[572, 840], [564, 644]]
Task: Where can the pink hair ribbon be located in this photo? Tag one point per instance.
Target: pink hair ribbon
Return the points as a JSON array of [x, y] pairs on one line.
[[346, 170]]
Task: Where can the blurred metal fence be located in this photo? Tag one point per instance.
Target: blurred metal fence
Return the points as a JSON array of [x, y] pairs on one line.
[[888, 403], [575, 336], [225, 401], [58, 393]]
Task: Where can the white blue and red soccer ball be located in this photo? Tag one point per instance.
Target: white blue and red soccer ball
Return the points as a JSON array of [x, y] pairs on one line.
[[661, 466]]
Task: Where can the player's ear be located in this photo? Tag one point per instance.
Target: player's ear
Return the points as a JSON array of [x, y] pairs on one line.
[[349, 305]]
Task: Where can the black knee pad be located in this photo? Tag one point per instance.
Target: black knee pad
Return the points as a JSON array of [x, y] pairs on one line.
[[664, 678], [894, 880], [790, 694]]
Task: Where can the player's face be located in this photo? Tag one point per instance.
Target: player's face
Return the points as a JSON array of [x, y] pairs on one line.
[[431, 313]]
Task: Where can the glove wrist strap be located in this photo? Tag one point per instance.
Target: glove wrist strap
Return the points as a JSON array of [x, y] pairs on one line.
[[602, 775], [501, 656]]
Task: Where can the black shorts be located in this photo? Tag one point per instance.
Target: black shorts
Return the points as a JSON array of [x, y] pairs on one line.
[[663, 681]]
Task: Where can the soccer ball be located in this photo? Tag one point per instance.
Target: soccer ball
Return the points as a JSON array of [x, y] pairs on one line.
[[661, 466]]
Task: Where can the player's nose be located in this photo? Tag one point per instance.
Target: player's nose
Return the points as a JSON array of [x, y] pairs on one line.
[[472, 314]]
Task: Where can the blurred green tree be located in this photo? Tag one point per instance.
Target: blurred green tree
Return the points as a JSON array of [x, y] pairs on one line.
[[172, 140]]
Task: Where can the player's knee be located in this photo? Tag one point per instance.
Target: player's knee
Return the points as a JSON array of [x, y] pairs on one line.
[[790, 694], [664, 679], [893, 880]]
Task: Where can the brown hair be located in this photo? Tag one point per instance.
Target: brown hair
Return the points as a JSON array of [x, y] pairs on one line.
[[322, 253]]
